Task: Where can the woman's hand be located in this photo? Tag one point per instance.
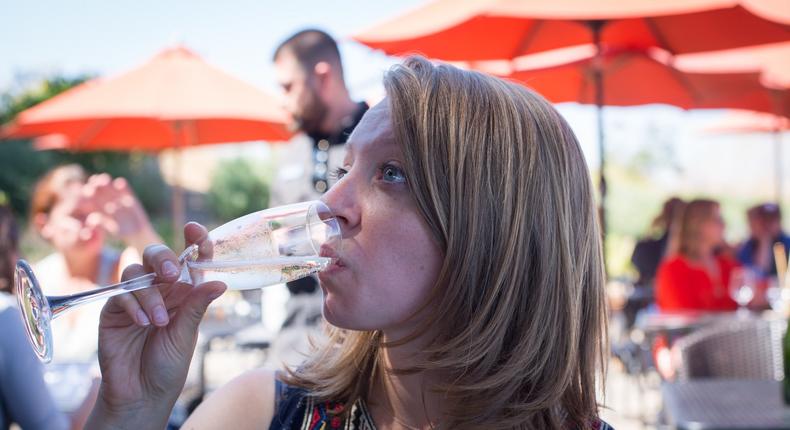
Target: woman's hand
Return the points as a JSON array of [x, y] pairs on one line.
[[147, 338], [116, 208]]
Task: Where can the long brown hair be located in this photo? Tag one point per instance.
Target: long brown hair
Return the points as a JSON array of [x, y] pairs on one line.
[[519, 307]]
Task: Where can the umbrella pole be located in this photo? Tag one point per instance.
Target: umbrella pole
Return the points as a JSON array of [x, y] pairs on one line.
[[602, 160], [599, 101], [778, 165], [178, 202]]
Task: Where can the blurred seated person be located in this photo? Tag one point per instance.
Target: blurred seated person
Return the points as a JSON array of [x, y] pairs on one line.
[[648, 254], [765, 229], [697, 277], [650, 251], [24, 397], [76, 214]]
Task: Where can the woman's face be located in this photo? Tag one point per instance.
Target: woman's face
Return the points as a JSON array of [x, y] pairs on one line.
[[713, 228], [389, 259], [70, 226]]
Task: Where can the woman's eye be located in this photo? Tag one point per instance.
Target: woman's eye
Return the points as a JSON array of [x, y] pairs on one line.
[[338, 173], [393, 174]]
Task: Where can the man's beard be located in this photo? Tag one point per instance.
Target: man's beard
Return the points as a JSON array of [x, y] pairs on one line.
[[313, 115]]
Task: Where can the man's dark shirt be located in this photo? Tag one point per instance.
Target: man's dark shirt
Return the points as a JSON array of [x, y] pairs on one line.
[[748, 249], [322, 142]]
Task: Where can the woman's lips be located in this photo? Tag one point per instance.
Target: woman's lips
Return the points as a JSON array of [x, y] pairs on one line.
[[337, 263], [335, 267]]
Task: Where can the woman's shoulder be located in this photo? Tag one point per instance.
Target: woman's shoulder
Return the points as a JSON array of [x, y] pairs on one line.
[[245, 402], [602, 425]]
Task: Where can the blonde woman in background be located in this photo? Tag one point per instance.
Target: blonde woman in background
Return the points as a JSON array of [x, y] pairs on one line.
[[468, 292], [697, 277], [76, 214]]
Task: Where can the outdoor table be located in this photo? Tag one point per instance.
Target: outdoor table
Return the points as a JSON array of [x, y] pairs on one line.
[[724, 404], [677, 323]]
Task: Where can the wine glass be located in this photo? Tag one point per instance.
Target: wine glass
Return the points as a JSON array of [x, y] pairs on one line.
[[263, 248], [777, 295], [742, 288]]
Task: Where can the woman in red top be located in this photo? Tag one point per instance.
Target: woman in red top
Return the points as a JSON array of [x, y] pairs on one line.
[[696, 278]]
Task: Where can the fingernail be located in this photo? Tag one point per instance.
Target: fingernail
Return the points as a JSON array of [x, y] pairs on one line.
[[142, 318], [160, 315], [169, 269]]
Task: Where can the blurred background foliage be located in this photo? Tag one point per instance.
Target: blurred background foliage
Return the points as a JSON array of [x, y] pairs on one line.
[[238, 187]]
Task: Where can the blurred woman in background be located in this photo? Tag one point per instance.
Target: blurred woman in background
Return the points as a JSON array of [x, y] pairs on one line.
[[76, 214], [698, 276]]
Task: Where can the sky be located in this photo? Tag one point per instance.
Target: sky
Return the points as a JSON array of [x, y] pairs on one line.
[[41, 38]]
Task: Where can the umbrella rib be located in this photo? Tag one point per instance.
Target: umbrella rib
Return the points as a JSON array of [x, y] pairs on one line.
[[527, 38], [681, 78], [93, 130], [662, 42]]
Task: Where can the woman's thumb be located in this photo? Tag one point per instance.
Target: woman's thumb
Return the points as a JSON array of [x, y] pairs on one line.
[[195, 305]]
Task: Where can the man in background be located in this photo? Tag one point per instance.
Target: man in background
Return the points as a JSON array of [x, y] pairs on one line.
[[765, 230], [309, 70]]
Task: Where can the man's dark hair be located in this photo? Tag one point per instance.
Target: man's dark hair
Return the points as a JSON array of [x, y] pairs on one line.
[[310, 47]]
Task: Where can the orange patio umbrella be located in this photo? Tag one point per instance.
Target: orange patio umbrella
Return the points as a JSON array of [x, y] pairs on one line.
[[472, 30], [631, 77], [772, 61], [174, 100], [739, 121]]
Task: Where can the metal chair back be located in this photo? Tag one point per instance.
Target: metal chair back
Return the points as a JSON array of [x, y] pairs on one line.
[[743, 349]]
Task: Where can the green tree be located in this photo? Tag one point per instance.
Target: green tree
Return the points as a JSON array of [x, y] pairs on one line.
[[237, 189]]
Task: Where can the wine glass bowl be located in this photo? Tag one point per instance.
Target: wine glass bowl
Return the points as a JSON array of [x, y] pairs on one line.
[[35, 308], [742, 287], [264, 248]]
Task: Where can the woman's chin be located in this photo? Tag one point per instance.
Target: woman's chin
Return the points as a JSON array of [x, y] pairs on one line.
[[338, 315], [331, 314]]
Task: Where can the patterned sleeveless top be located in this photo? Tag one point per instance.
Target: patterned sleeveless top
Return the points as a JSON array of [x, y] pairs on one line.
[[296, 410]]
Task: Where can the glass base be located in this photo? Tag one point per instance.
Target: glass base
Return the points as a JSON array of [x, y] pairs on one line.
[[36, 312]]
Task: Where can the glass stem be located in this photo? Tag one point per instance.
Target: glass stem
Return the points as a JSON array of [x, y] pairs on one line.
[[58, 304]]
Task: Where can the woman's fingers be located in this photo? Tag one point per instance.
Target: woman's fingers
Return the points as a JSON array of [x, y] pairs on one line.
[[161, 260], [128, 302], [196, 234]]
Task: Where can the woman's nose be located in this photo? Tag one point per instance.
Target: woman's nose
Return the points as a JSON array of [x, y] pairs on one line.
[[342, 201]]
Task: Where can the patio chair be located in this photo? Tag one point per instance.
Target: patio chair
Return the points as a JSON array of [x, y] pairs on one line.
[[744, 349]]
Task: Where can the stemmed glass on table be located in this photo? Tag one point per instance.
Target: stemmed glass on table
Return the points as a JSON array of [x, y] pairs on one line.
[[742, 288], [263, 248]]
